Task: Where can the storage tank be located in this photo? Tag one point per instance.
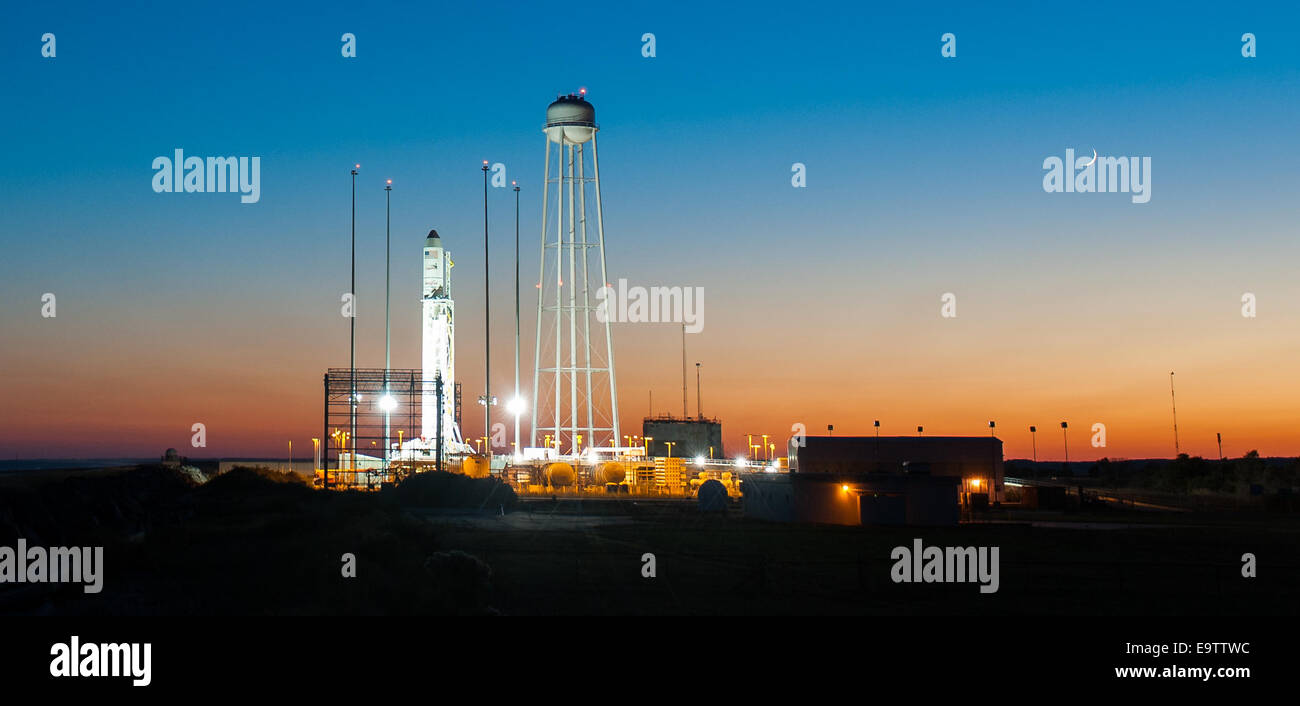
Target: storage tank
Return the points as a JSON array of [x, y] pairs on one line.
[[560, 474], [610, 472]]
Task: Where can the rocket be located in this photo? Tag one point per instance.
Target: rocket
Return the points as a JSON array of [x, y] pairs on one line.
[[438, 317]]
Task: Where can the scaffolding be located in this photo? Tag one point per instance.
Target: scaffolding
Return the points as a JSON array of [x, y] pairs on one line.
[[359, 448]]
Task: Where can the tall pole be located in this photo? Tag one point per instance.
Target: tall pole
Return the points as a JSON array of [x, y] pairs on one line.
[[684, 371], [1033, 438], [388, 338], [876, 451], [699, 401], [516, 410], [487, 322], [325, 439], [1066, 436], [1174, 404], [352, 319]]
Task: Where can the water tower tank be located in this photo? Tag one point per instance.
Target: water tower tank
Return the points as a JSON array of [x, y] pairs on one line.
[[571, 116]]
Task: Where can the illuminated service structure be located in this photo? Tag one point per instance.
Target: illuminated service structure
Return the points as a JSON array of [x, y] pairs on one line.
[[575, 393]]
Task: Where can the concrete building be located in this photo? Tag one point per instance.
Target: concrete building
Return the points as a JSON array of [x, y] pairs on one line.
[[691, 437]]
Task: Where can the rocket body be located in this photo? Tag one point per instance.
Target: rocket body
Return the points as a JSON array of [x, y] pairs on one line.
[[438, 323]]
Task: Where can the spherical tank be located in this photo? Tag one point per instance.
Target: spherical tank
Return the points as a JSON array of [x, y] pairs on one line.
[[560, 474], [571, 116], [611, 472], [475, 466]]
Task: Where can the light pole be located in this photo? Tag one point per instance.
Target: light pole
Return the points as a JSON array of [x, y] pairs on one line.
[[352, 318], [1033, 437], [1174, 404], [487, 319], [699, 400], [518, 403], [876, 451], [387, 400], [1066, 436]]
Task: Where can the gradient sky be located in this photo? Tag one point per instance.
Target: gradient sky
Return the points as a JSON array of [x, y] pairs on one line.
[[822, 304]]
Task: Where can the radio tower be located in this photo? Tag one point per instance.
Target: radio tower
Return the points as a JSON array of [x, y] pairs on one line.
[[574, 389]]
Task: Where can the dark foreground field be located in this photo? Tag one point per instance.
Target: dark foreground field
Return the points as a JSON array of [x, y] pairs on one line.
[[252, 543]]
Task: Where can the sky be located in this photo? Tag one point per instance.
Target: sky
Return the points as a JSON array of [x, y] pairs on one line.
[[924, 176]]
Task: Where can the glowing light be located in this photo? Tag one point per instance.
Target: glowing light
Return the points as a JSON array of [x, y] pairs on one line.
[[740, 462], [516, 406], [975, 483], [699, 461], [844, 488], [387, 403]]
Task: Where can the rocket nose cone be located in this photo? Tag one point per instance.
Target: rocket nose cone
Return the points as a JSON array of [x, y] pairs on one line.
[[432, 240]]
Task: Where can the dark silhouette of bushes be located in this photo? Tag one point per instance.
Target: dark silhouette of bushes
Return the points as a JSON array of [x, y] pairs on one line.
[[452, 490]]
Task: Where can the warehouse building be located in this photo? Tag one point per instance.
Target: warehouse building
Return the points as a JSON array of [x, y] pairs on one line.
[[879, 481], [975, 460]]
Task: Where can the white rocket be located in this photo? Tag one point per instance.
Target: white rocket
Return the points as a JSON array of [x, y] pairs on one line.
[[439, 348]]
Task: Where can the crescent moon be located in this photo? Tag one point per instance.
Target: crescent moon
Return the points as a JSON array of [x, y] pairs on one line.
[[1094, 159]]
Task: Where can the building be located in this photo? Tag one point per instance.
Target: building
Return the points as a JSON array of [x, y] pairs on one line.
[[891, 480], [975, 460], [690, 437], [868, 499]]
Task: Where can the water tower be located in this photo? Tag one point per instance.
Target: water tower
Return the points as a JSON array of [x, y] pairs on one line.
[[574, 389]]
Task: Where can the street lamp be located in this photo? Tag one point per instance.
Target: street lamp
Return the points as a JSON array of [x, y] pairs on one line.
[[1066, 436]]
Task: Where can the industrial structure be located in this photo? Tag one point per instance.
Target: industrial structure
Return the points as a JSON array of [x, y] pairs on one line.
[[575, 392], [389, 412], [687, 437], [879, 480], [382, 424]]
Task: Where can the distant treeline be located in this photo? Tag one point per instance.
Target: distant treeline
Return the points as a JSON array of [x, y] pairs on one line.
[[1248, 475]]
